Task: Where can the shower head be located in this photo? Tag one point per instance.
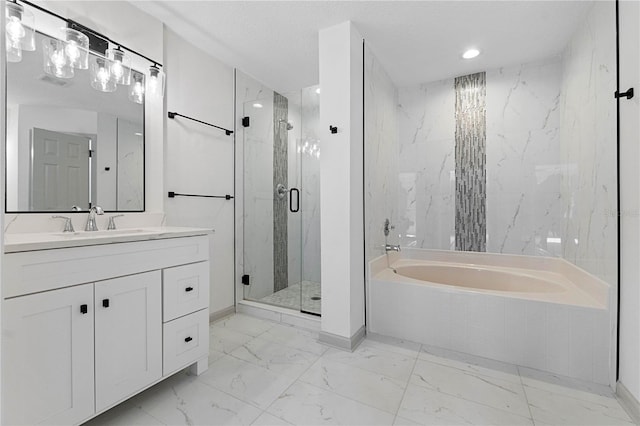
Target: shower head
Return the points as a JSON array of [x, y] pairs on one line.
[[289, 125]]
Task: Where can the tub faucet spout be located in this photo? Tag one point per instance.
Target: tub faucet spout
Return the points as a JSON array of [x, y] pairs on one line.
[[391, 247]]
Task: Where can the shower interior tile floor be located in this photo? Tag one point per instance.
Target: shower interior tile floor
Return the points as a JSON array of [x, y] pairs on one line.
[[290, 297], [266, 373]]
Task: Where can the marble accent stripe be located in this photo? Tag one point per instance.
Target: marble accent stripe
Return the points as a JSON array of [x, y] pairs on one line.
[[280, 205], [470, 160]]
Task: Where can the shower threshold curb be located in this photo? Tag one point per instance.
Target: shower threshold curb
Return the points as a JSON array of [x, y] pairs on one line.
[[279, 314]]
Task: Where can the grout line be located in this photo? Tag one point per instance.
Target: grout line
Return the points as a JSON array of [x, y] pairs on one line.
[[406, 386], [525, 394]]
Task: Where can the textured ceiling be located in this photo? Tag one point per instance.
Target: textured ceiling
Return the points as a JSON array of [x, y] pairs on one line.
[[416, 41]]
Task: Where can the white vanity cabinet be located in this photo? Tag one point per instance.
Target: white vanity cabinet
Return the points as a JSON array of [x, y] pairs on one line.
[[128, 336], [91, 329], [48, 357]]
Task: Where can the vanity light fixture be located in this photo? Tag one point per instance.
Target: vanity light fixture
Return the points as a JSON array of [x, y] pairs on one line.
[[155, 84], [20, 32], [470, 53], [101, 77], [76, 48], [120, 65], [136, 89], [257, 105], [56, 62]]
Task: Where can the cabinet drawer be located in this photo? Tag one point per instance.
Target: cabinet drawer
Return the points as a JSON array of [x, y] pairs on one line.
[[186, 340], [185, 290]]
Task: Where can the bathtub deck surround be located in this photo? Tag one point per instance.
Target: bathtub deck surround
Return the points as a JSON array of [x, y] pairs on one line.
[[262, 372], [542, 313]]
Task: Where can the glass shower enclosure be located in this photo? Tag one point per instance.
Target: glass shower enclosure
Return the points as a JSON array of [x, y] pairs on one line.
[[281, 160]]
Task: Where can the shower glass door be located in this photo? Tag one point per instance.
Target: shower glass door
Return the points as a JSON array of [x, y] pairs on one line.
[[272, 218]]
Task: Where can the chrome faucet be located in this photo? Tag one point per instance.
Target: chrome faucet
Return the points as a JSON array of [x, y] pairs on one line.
[[391, 247], [91, 220]]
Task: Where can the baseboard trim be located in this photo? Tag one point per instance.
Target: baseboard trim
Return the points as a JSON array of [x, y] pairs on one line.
[[628, 402], [340, 342], [215, 316]]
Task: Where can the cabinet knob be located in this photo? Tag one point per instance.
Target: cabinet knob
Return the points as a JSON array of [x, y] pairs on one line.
[[188, 289], [84, 309], [188, 339], [105, 303]]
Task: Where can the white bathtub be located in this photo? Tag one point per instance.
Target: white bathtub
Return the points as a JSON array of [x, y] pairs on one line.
[[543, 313]]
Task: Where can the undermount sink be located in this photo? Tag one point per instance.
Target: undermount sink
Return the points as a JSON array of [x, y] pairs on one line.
[[103, 233]]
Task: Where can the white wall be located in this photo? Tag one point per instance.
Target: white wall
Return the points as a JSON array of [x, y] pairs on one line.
[[341, 181], [198, 158], [630, 199]]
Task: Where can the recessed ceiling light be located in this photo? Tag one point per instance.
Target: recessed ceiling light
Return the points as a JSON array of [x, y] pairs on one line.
[[318, 90], [257, 105], [471, 53]]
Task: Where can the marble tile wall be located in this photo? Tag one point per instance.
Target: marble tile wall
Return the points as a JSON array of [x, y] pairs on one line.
[[588, 145], [310, 183], [524, 168], [426, 194], [381, 155], [257, 185], [130, 190]]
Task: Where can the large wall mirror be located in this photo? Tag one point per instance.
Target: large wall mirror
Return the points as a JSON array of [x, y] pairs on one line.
[[70, 146]]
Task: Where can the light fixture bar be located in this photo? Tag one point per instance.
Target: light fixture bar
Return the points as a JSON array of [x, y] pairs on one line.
[[87, 31]]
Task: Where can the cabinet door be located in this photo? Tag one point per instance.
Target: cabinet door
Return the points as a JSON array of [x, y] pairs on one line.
[[128, 336], [47, 357]]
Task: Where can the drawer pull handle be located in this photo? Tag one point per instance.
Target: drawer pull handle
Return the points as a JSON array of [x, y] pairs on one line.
[[188, 289], [84, 309], [105, 303], [188, 339]]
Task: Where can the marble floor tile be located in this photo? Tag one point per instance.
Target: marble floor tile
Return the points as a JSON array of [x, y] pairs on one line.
[[363, 386], [125, 415], [214, 355], [245, 324], [392, 344], [267, 419], [225, 340], [429, 407], [296, 338], [559, 409], [497, 393], [247, 382], [470, 363], [191, 402], [400, 421], [562, 384], [371, 358], [304, 404], [275, 357]]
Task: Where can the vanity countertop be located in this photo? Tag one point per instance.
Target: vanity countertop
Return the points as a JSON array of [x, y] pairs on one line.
[[53, 240]]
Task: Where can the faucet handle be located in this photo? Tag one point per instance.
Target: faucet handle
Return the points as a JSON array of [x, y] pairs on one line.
[[68, 226], [112, 223]]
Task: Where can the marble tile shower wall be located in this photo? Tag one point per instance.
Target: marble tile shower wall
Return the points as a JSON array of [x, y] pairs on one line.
[[381, 155], [257, 187], [310, 188]]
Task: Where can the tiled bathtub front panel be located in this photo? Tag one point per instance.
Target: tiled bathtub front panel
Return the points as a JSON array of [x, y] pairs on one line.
[[561, 339]]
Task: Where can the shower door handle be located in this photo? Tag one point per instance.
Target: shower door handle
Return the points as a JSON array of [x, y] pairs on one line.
[[291, 191]]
